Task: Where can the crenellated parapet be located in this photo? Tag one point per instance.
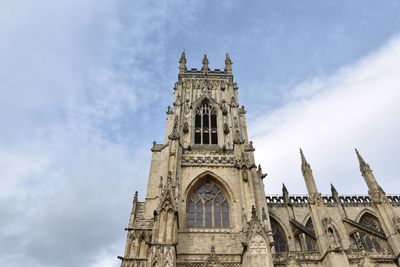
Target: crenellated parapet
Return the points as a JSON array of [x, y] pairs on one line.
[[346, 200]]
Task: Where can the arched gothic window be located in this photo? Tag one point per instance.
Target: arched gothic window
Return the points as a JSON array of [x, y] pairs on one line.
[[304, 240], [207, 207], [367, 241], [280, 242], [205, 131], [310, 242]]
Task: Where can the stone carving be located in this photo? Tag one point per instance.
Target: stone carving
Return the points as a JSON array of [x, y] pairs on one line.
[[185, 127], [234, 103], [315, 198], [396, 222], [238, 139], [245, 176], [169, 110], [212, 260], [331, 233], [226, 128], [208, 161], [174, 133], [296, 256], [258, 246], [162, 256], [224, 108], [377, 196], [187, 106], [261, 175], [242, 110], [244, 162], [178, 101]]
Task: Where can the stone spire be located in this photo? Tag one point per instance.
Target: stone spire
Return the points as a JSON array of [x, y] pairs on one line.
[[364, 167], [285, 194], [228, 64], [205, 64], [366, 172], [182, 63], [308, 175], [335, 194]]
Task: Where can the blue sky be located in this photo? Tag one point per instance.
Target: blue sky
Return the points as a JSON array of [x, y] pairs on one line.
[[85, 86]]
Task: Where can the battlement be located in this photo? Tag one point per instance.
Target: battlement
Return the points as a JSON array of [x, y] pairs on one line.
[[327, 199]]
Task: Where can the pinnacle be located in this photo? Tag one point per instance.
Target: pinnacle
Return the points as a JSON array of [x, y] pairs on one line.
[[183, 57], [305, 166], [284, 187], [363, 165], [333, 189], [228, 59], [205, 60]]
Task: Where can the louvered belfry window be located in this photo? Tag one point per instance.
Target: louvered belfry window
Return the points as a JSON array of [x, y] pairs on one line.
[[205, 125], [207, 207]]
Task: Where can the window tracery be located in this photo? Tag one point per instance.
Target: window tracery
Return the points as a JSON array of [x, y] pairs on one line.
[[310, 242], [205, 132], [280, 242], [208, 207], [304, 240], [367, 241]]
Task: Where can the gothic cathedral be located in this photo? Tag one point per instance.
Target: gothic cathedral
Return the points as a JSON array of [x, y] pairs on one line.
[[206, 204]]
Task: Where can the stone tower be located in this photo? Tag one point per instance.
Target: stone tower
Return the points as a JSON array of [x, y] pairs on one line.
[[205, 202], [206, 205]]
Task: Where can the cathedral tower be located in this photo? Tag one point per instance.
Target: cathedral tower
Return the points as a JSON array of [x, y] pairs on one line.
[[205, 201], [206, 205]]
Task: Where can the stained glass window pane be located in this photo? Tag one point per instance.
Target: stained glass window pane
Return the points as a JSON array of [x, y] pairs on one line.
[[206, 138], [279, 237], [213, 121], [207, 207], [225, 214], [214, 138], [208, 214], [199, 214], [197, 122], [190, 214]]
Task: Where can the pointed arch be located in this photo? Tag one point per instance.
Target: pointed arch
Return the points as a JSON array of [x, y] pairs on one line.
[[280, 239], [208, 204], [364, 211], [205, 122], [365, 237], [221, 182]]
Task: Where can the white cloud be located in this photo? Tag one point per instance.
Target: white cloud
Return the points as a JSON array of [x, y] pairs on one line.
[[328, 117], [70, 71]]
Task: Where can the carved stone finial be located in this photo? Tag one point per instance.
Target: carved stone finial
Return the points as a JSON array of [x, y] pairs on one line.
[[182, 63], [212, 249], [364, 167], [135, 197], [205, 64], [305, 166], [174, 133], [228, 64], [161, 182]]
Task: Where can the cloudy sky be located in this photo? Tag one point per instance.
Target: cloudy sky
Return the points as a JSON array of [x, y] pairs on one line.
[[85, 85]]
